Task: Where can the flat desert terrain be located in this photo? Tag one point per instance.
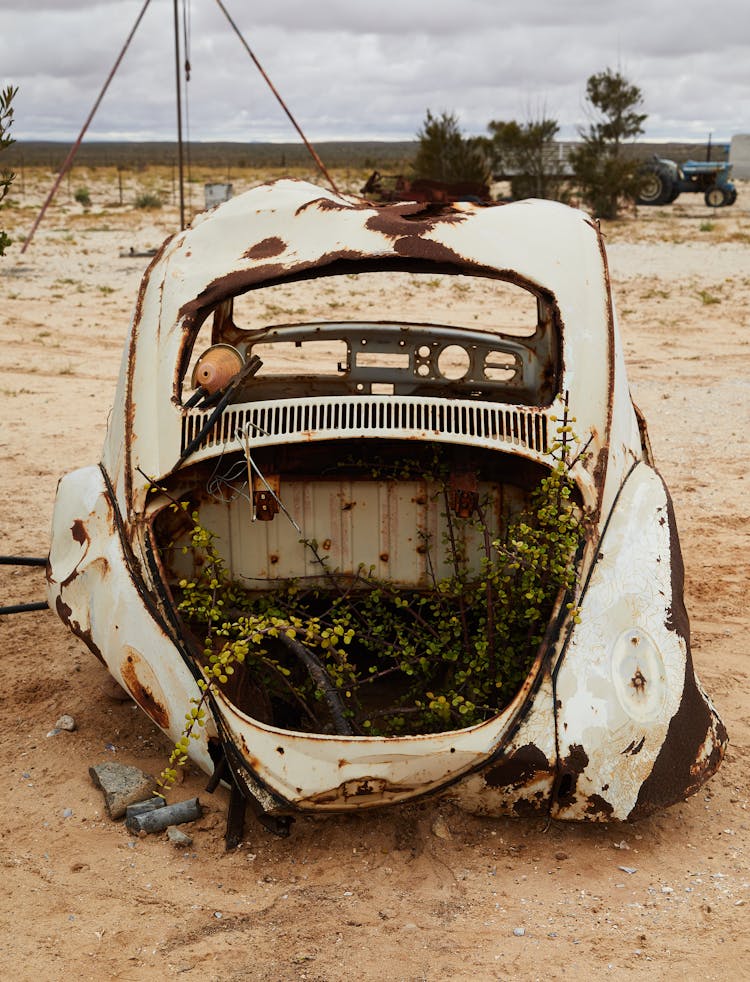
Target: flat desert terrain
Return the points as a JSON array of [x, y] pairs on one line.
[[423, 892]]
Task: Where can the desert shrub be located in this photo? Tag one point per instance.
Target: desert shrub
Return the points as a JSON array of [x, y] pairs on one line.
[[6, 177], [148, 200], [528, 153], [444, 154], [83, 197], [605, 176]]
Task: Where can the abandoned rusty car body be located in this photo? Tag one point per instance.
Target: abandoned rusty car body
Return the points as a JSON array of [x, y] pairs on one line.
[[611, 721]]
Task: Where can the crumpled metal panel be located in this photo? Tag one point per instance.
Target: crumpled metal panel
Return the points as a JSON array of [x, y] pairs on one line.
[[627, 668], [91, 586]]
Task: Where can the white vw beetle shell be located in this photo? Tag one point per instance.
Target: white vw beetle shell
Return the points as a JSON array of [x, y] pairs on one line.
[[611, 721]]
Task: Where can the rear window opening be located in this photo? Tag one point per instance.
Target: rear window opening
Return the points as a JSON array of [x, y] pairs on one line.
[[453, 300], [365, 333], [364, 587]]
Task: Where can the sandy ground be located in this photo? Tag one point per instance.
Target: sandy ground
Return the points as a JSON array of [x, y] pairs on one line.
[[418, 892]]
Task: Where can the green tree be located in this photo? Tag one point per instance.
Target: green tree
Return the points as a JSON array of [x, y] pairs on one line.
[[528, 154], [606, 176], [444, 154], [6, 177]]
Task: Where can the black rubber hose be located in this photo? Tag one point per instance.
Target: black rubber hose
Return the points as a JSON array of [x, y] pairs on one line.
[[23, 561], [24, 608]]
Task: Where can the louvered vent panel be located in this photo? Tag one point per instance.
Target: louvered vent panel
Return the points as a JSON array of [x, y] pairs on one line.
[[294, 420]]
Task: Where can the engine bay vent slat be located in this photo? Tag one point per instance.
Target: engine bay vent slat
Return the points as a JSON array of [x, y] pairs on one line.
[[298, 420]]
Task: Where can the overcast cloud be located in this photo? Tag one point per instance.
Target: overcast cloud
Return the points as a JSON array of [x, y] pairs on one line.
[[363, 70]]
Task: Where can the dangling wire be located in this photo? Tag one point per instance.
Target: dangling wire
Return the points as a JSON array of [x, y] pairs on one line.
[[252, 466], [223, 486]]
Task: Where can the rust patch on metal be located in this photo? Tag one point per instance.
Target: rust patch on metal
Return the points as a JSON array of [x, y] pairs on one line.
[[638, 680], [65, 613], [142, 694], [530, 806], [570, 768], [362, 788], [598, 806], [633, 748], [79, 533], [405, 221], [132, 344], [326, 204], [266, 248], [520, 768], [610, 355]]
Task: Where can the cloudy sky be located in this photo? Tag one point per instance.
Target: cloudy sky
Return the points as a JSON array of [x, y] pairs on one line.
[[358, 69]]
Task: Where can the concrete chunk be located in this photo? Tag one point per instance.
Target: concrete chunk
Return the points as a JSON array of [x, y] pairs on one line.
[[121, 785]]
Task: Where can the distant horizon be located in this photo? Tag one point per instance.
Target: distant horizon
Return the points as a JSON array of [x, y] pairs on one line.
[[338, 141]]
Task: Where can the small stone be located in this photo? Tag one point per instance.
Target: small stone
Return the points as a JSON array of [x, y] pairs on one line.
[[218, 915], [66, 723], [561, 856], [667, 890], [628, 869], [67, 813], [440, 828], [178, 838], [121, 786], [519, 931], [621, 845]]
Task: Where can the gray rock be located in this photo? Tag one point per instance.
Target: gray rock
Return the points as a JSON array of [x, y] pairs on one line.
[[178, 838], [519, 931], [66, 723], [121, 786]]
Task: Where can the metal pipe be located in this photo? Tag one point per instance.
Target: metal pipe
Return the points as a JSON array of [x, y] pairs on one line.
[[23, 561], [24, 608], [74, 149], [162, 818], [310, 148], [178, 90]]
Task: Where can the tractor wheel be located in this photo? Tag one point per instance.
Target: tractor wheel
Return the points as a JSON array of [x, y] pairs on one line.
[[732, 196], [656, 188], [716, 197]]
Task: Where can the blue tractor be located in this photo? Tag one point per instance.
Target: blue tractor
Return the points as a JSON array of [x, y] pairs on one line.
[[663, 180]]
